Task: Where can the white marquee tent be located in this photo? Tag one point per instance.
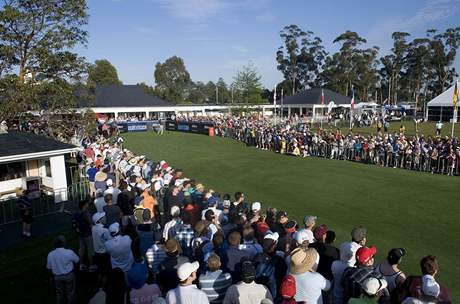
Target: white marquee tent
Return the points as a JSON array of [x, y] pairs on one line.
[[441, 107]]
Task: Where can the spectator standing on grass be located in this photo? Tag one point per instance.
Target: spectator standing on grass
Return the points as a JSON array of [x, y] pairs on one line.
[[247, 291], [187, 292], [309, 283], [167, 276], [172, 227], [373, 292], [112, 190], [25, 210], [214, 282], [354, 277], [82, 224], [119, 248], [112, 212], [347, 255], [100, 235], [141, 292], [327, 253], [389, 268], [309, 222], [99, 201], [61, 263], [424, 289]]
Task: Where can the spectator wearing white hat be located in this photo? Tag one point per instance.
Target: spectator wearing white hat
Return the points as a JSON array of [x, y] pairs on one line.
[[99, 201], [119, 248], [187, 292], [100, 236], [373, 292], [112, 190]]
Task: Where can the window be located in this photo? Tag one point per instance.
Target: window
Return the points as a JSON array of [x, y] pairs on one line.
[[47, 165], [12, 171]]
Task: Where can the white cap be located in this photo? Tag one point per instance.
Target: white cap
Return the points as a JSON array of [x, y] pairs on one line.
[[114, 228], [256, 206], [430, 287], [186, 269], [273, 236], [373, 285], [301, 236], [97, 216], [145, 186], [178, 182], [175, 210], [109, 182]]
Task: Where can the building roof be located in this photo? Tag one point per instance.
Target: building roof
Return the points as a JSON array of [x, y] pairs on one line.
[[123, 96], [17, 145], [445, 99], [313, 96]]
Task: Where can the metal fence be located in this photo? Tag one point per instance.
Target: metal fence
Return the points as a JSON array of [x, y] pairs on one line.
[[45, 204]]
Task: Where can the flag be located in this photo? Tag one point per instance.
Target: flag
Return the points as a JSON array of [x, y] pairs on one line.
[[274, 96], [322, 97], [455, 97]]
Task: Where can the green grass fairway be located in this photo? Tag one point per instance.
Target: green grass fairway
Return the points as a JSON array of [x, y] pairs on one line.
[[400, 208]]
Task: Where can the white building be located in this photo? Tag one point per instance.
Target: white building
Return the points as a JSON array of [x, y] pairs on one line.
[[33, 162]]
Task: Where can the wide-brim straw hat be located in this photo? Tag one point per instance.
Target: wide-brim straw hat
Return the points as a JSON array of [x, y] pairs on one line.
[[100, 176], [303, 260]]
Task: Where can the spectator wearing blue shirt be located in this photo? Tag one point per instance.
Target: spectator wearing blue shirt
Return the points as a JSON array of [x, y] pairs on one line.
[[91, 175]]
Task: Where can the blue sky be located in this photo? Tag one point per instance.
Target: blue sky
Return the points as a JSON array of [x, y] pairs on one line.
[[217, 37]]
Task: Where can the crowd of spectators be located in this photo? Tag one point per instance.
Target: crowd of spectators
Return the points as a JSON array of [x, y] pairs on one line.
[[434, 154], [152, 235]]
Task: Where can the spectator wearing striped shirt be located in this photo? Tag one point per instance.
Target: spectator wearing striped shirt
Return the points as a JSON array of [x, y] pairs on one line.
[[215, 282], [155, 255]]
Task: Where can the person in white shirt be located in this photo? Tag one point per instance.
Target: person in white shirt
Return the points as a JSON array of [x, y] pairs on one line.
[[61, 263], [247, 291], [309, 283], [99, 201], [112, 190], [347, 255], [119, 248], [187, 292], [100, 236]]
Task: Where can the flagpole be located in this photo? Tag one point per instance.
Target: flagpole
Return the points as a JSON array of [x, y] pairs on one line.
[[322, 108], [352, 106], [454, 117]]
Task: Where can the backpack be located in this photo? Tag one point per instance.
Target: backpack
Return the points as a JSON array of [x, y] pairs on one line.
[[265, 274]]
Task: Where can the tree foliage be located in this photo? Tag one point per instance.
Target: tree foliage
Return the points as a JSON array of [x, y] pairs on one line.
[[300, 58], [172, 80], [37, 66], [247, 86], [102, 72]]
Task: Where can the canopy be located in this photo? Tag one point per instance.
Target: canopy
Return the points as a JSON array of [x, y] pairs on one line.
[[444, 100]]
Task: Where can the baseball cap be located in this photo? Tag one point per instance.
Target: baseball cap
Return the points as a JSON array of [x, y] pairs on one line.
[[358, 234], [270, 239], [185, 270], [212, 201], [175, 210], [364, 254], [256, 206], [396, 253], [109, 182], [98, 216], [281, 214], [290, 226], [308, 220], [288, 288], [372, 286], [226, 203], [114, 228], [320, 231], [172, 246], [301, 236]]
